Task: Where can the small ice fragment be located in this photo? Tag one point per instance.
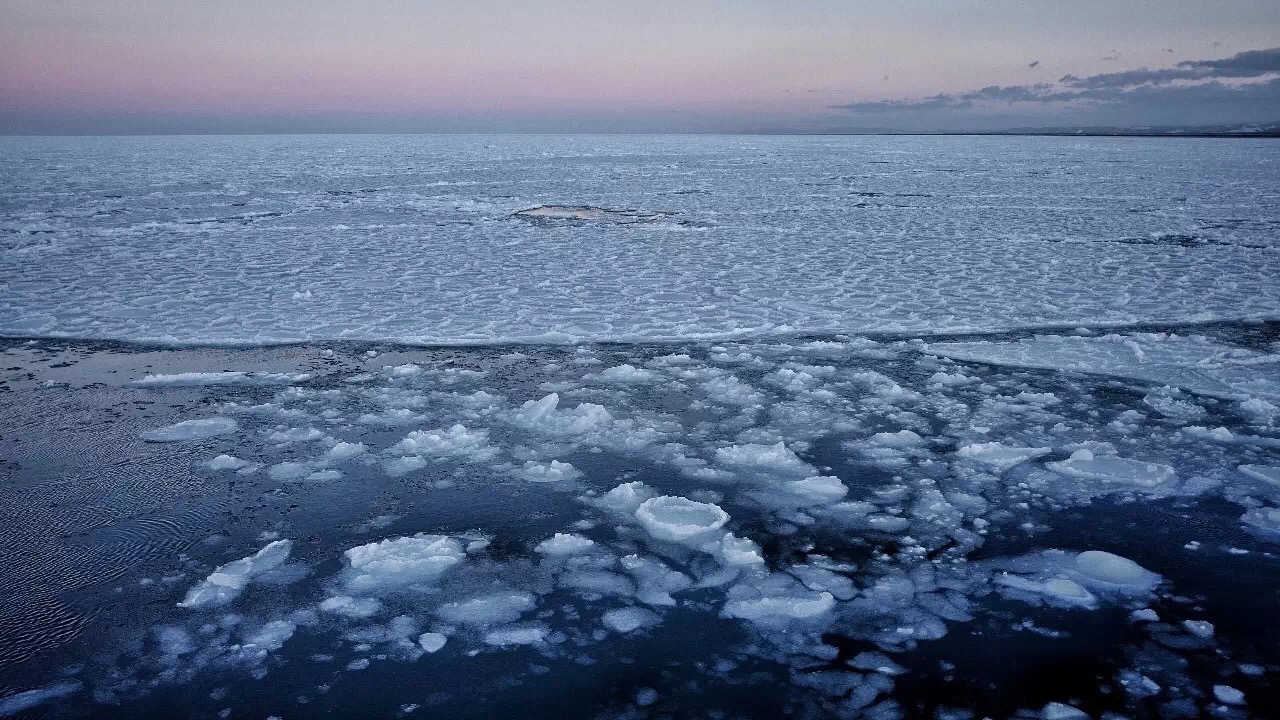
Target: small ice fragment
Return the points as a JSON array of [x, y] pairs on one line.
[[1228, 695], [627, 620], [1105, 567], [1059, 711], [565, 544], [1200, 628], [554, 471], [646, 697], [431, 641], [192, 430], [516, 635], [999, 456], [22, 701], [272, 636], [226, 582], [351, 607], [227, 462], [677, 519], [1083, 464], [401, 561], [496, 609], [627, 497]]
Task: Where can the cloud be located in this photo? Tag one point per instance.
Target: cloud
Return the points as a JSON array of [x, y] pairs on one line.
[[1245, 86], [1251, 64]]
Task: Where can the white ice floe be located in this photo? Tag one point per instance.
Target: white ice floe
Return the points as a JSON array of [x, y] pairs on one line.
[[23, 701], [399, 562], [432, 641], [777, 600], [1061, 711], [1099, 567], [1074, 579], [655, 582], [1228, 695], [227, 462], [1084, 464], [342, 451], [272, 636], [1264, 521], [351, 607], [562, 544], [517, 635], [543, 416], [627, 374], [496, 609], [454, 441], [226, 582], [680, 520], [554, 471], [627, 497], [625, 620], [1223, 435], [1000, 457], [775, 458], [222, 378], [192, 430], [1191, 362]]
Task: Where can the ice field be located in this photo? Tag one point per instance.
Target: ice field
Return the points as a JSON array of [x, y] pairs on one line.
[[610, 427], [285, 239]]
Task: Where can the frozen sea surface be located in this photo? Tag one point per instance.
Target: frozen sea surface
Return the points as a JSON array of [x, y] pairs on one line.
[[831, 526], [416, 239], [614, 427]]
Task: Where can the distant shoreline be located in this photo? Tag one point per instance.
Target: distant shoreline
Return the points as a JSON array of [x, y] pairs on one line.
[[1271, 133]]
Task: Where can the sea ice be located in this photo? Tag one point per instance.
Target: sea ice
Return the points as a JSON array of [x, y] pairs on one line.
[[565, 544], [1110, 469], [680, 520], [1103, 567], [431, 641], [625, 620], [497, 609], [543, 415], [402, 561], [554, 471], [517, 635], [23, 701], [351, 607], [454, 441], [999, 456], [226, 582], [192, 430]]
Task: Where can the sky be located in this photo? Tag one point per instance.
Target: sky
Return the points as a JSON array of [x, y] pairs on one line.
[[199, 66]]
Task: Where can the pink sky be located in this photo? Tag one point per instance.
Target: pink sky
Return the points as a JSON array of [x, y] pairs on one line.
[[731, 61]]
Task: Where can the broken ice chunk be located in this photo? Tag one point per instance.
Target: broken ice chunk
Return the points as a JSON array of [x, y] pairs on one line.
[[680, 520], [565, 544], [192, 430], [402, 561], [496, 609], [1103, 567], [432, 642], [627, 620], [226, 582], [999, 456], [1111, 469]]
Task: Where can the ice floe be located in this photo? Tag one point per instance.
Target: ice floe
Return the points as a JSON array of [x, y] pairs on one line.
[[192, 430], [226, 582]]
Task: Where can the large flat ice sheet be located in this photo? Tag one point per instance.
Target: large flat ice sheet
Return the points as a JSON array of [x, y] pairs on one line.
[[277, 239]]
